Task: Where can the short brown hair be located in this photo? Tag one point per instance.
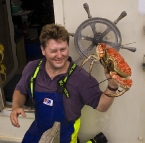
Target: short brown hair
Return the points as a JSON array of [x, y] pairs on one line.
[[53, 31]]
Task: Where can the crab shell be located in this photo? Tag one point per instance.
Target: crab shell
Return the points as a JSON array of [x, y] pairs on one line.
[[113, 60]]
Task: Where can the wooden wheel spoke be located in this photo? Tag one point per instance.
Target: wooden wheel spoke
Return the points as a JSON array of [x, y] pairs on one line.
[[89, 49]]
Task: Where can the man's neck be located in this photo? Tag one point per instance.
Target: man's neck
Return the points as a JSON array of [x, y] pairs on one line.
[[52, 72]]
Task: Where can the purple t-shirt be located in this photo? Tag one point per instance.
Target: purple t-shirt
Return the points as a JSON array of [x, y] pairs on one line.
[[83, 90]]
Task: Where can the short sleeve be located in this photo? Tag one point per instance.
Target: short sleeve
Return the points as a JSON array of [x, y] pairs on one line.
[[92, 93], [23, 83]]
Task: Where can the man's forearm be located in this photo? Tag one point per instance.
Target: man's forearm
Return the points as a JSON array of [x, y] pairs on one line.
[[18, 100], [105, 101]]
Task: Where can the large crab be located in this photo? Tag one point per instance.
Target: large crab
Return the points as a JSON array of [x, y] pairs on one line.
[[115, 63]]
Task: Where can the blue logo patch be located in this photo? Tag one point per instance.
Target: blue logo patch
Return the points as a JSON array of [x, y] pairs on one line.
[[48, 101]]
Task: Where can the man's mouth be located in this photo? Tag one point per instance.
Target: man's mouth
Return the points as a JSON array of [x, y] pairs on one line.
[[59, 61]]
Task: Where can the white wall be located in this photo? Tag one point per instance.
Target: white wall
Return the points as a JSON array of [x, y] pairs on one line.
[[10, 133], [124, 121]]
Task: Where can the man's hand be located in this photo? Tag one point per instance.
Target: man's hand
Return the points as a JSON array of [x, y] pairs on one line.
[[14, 116], [18, 102], [111, 82], [105, 101]]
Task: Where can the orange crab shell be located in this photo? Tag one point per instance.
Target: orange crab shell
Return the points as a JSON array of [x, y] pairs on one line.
[[120, 66], [122, 82]]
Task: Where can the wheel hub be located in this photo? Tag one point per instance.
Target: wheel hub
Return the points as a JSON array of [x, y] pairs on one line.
[[97, 39]]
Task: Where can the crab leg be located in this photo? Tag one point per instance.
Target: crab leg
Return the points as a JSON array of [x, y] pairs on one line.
[[85, 61], [91, 66], [92, 55], [117, 94], [103, 62]]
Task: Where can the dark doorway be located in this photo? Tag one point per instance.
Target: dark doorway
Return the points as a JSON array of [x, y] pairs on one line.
[[29, 25], [28, 48]]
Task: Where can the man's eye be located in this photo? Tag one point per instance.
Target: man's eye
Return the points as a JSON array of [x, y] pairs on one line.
[[62, 50], [53, 51]]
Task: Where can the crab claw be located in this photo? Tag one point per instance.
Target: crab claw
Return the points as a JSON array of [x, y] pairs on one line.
[[124, 83]]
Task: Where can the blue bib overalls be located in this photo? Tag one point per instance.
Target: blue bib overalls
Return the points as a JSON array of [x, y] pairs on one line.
[[48, 109]]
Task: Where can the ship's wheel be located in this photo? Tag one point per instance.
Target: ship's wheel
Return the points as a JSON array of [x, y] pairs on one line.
[[97, 30]]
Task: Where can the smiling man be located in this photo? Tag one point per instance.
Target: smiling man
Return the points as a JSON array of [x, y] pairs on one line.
[[56, 53], [58, 88]]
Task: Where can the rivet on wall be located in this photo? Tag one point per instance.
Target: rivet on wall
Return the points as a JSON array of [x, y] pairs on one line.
[[140, 138]]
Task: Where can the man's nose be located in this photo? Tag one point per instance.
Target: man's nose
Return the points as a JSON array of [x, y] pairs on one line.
[[59, 54]]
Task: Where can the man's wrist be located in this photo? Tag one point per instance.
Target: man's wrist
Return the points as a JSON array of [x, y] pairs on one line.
[[15, 107], [111, 88]]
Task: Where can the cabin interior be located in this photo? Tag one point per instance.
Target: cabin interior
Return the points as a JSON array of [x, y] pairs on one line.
[[28, 18]]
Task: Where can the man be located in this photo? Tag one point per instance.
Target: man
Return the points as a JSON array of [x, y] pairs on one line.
[[59, 89]]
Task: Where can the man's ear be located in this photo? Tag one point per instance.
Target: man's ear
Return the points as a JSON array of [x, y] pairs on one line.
[[43, 51]]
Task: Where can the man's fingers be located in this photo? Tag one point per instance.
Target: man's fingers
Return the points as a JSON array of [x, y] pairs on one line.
[[15, 124], [14, 116], [14, 119], [23, 113], [106, 71]]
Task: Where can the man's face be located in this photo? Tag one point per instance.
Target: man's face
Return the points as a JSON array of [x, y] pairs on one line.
[[56, 53]]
